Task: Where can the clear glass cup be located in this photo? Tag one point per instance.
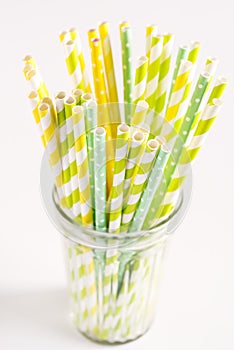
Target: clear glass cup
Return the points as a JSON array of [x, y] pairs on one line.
[[113, 280]]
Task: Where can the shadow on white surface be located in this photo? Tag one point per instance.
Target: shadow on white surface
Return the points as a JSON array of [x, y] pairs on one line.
[[37, 319]]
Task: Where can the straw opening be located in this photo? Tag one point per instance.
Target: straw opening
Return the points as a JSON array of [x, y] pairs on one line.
[[123, 128]]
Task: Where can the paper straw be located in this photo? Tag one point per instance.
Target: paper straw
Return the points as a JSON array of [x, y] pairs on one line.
[[27, 68], [139, 114], [64, 36], [137, 188], [73, 64], [48, 128], [153, 70], [163, 80], [150, 190], [77, 93], [82, 164], [127, 69], [150, 30], [86, 97], [188, 156], [108, 62], [76, 37], [116, 195], [34, 103], [100, 178], [194, 49], [140, 79], [69, 103], [92, 34], [63, 147], [177, 105], [135, 153], [29, 60], [194, 105], [218, 90], [50, 103], [181, 55], [36, 83]]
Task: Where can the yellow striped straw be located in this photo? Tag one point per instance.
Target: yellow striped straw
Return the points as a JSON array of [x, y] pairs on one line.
[[28, 59], [109, 69], [34, 103], [150, 30], [76, 37], [73, 64], [36, 83]]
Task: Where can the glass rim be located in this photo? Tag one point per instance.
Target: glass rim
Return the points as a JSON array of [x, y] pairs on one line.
[[73, 230]]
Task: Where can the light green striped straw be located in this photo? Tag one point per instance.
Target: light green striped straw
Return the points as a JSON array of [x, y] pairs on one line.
[[63, 146], [150, 31], [153, 183], [126, 45], [194, 49], [137, 188], [136, 149], [100, 178], [140, 79], [163, 80], [139, 114], [153, 70], [116, 195], [180, 142], [77, 93]]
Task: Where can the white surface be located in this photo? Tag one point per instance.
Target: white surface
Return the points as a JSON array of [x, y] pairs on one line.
[[196, 309]]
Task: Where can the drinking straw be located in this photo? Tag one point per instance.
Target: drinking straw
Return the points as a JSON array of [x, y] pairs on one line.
[[182, 54], [36, 83], [92, 34], [177, 104], [27, 68], [153, 183], [139, 114], [69, 103], [63, 147], [34, 103], [82, 164], [76, 37], [127, 69], [101, 97], [188, 120], [100, 178], [153, 69], [142, 171], [77, 93], [188, 156], [163, 79], [29, 60], [73, 64], [136, 149], [108, 62], [64, 36], [86, 97], [90, 109], [50, 103], [150, 30], [116, 194], [218, 89], [49, 133], [194, 49], [140, 79]]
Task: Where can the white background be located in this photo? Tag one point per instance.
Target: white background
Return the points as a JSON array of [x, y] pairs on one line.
[[196, 310]]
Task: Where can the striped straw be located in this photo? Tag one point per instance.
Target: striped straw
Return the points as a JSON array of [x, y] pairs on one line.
[[140, 79], [150, 30], [73, 64], [116, 196], [139, 114], [34, 103], [136, 149], [36, 83], [137, 188], [82, 164], [153, 70], [76, 37]]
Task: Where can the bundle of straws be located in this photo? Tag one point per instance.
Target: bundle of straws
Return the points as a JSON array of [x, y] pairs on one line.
[[120, 167]]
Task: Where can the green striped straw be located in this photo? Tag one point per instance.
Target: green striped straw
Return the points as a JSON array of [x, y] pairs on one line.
[[180, 142], [100, 178], [126, 45], [137, 188], [77, 93], [63, 147], [136, 149], [139, 114], [116, 196], [153, 69], [150, 190], [150, 31], [140, 79]]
